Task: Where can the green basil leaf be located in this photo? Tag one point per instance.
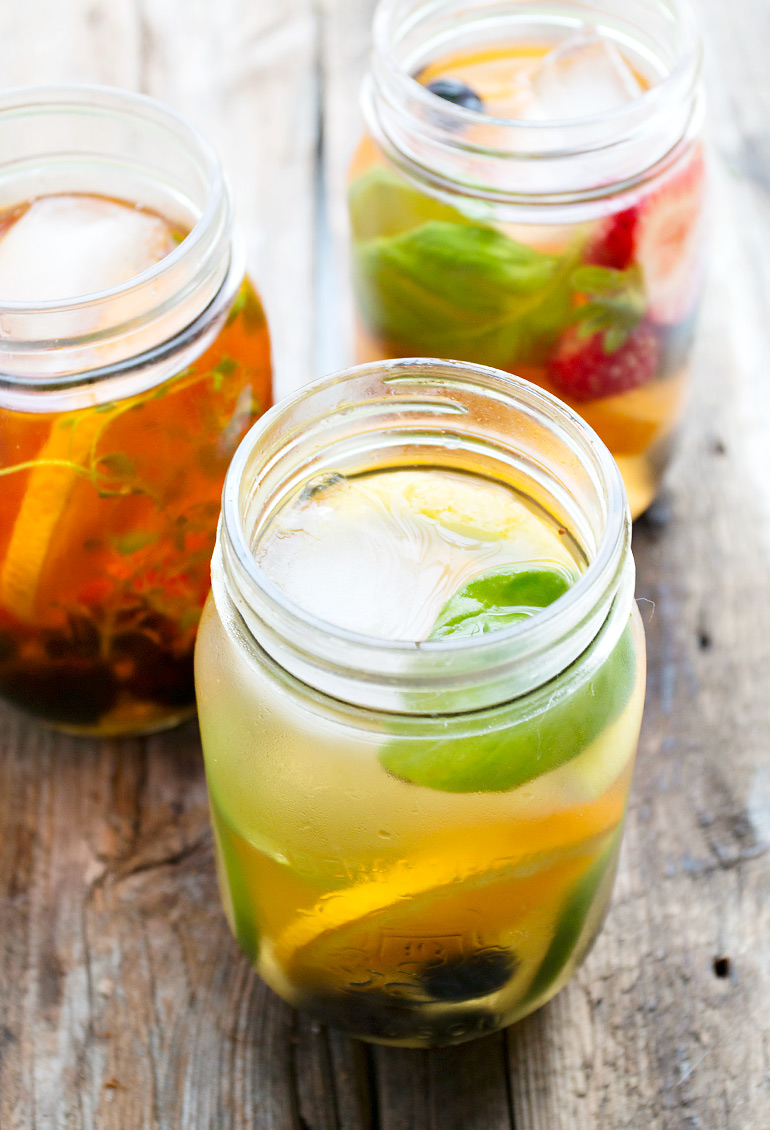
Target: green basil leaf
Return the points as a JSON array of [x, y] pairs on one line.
[[118, 464], [519, 748], [498, 598], [462, 290], [133, 541]]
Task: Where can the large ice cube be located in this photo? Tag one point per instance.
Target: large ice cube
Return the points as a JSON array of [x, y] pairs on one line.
[[584, 75], [382, 555], [358, 563], [67, 246]]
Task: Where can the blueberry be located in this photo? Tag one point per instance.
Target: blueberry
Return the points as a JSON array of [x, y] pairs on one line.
[[81, 642], [456, 92], [465, 978]]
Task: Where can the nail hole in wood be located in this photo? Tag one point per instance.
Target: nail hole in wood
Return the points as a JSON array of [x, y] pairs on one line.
[[704, 640], [722, 967]]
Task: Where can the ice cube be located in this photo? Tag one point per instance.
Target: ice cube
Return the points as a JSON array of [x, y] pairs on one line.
[[584, 75], [355, 563], [69, 245]]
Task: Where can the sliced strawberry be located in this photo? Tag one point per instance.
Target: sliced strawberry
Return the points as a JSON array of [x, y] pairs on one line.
[[614, 241], [583, 369], [669, 243]]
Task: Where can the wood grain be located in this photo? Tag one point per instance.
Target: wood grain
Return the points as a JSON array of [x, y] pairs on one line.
[[124, 1004]]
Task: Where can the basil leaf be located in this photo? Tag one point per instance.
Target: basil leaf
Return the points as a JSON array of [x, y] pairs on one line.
[[498, 598], [462, 290], [520, 747], [133, 541]]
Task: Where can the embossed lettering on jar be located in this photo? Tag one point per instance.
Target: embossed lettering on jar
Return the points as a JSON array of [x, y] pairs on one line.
[[530, 195]]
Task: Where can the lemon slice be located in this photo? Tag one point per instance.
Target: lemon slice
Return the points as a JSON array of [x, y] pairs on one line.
[[60, 463]]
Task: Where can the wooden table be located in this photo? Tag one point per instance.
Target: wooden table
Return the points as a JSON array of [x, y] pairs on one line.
[[123, 1001]]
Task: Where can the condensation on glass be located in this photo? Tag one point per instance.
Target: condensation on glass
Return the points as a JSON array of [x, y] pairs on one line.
[[416, 841]]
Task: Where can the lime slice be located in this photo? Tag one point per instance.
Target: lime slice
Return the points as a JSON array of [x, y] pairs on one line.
[[576, 922], [60, 463], [383, 204], [518, 749], [233, 883]]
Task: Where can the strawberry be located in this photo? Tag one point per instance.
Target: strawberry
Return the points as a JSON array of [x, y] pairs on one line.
[[668, 243], [583, 368], [614, 241]]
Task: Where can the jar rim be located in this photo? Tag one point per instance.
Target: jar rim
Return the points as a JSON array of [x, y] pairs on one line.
[[687, 67], [74, 139], [82, 97], [515, 163], [581, 611]]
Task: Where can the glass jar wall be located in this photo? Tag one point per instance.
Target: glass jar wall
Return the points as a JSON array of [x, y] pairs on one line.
[[417, 830], [530, 195], [134, 355]]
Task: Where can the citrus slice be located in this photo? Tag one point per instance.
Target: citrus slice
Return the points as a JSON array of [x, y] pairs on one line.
[[60, 463], [518, 749], [580, 919], [416, 935], [383, 204]]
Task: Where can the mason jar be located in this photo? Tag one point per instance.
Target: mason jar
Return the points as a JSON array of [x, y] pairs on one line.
[[120, 408], [530, 194], [416, 839]]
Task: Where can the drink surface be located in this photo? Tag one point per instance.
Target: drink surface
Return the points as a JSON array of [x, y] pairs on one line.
[[415, 880], [69, 245], [109, 511], [539, 81], [382, 554], [600, 312]]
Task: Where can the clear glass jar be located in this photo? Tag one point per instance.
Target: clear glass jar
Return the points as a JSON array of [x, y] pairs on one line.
[[567, 251], [417, 842], [119, 413]]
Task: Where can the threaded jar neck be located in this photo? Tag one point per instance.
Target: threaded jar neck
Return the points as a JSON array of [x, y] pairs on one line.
[[447, 415], [101, 141], [504, 161]]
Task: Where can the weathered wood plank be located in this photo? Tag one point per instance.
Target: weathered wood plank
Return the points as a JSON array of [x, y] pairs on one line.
[[246, 74], [123, 1001], [666, 1024]]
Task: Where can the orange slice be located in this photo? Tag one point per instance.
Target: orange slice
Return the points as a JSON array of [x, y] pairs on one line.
[[476, 891], [394, 933], [60, 463]]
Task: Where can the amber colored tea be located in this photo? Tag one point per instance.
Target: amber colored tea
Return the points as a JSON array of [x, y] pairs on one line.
[[109, 511]]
